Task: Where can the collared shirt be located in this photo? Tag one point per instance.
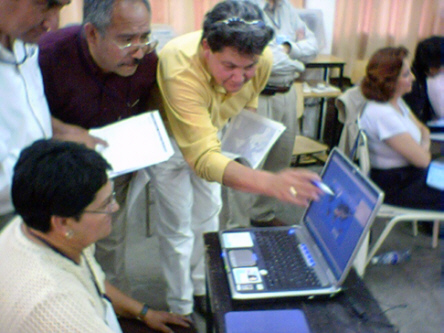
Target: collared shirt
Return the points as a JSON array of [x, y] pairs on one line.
[[197, 108], [285, 21], [80, 93], [24, 115]]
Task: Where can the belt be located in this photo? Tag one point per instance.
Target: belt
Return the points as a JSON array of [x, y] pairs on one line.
[[270, 90]]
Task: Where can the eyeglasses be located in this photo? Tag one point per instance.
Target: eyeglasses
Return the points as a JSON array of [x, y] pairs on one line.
[[109, 207], [147, 47], [234, 20]]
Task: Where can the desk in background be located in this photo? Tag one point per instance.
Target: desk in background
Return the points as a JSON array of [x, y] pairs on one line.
[[324, 315], [325, 62]]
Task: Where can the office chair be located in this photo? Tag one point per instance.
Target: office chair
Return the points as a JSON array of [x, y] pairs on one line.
[[395, 214]]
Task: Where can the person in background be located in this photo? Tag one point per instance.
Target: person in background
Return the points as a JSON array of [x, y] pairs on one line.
[[50, 281], [98, 73], [427, 98], [292, 46], [205, 78], [398, 142], [24, 114]]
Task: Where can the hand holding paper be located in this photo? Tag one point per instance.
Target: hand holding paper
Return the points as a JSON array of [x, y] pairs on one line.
[[134, 143]]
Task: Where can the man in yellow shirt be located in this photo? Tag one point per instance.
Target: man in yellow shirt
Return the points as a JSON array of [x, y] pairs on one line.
[[206, 78]]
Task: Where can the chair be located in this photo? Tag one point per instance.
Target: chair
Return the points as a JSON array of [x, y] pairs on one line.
[[305, 146], [395, 214]]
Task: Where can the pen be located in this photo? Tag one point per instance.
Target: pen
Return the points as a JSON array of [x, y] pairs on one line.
[[324, 187]]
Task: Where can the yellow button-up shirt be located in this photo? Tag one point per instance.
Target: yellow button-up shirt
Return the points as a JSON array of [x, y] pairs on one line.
[[197, 107]]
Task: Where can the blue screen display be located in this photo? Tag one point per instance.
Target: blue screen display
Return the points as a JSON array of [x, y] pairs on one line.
[[338, 221]]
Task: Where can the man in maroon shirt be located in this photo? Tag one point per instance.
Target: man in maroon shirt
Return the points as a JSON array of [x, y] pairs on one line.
[[96, 74]]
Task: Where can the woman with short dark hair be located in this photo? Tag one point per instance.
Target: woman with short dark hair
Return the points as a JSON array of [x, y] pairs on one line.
[[398, 142]]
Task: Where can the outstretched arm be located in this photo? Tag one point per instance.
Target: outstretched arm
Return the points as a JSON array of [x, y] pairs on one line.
[[290, 185]]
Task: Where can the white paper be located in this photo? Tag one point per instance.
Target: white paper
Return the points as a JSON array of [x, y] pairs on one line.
[[435, 175], [134, 143], [249, 137]]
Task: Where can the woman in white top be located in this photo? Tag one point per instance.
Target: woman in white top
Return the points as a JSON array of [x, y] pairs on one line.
[[398, 142], [49, 280]]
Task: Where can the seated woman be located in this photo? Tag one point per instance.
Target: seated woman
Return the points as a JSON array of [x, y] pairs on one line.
[[426, 98], [50, 281], [398, 142]]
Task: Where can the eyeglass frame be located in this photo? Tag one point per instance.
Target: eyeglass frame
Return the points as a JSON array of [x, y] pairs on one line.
[[138, 46], [109, 206]]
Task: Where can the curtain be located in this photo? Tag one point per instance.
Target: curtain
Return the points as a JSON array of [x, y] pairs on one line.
[[183, 15], [363, 26]]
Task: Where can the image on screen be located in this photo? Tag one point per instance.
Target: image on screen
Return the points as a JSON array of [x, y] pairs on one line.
[[338, 221]]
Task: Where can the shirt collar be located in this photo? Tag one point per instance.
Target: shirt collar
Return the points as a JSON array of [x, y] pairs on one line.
[[205, 71], [20, 50], [87, 57]]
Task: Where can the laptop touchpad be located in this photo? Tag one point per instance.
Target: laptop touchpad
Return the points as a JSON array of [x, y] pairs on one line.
[[242, 258]]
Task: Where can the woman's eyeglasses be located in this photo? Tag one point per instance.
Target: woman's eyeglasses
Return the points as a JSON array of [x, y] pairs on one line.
[[108, 208]]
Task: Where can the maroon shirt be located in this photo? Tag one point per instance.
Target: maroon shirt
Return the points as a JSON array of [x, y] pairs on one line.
[[79, 93]]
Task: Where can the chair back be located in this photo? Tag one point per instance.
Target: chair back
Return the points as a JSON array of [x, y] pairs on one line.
[[349, 105], [362, 153]]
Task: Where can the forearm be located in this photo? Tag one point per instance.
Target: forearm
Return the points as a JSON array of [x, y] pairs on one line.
[[425, 133], [242, 178], [289, 185], [123, 305], [411, 150]]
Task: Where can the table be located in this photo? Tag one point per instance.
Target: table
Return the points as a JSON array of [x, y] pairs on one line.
[[326, 62], [323, 314]]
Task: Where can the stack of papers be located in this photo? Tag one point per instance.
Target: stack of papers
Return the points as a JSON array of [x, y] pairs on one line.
[[134, 143], [249, 137]]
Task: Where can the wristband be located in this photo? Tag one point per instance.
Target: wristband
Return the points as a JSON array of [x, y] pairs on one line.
[[143, 312]]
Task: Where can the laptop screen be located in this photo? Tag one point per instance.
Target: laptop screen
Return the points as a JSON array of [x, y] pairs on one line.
[[338, 221]]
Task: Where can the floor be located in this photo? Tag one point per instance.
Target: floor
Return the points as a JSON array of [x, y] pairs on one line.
[[410, 293]]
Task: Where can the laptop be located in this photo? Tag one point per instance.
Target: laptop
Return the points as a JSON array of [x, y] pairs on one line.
[[310, 258], [435, 175]]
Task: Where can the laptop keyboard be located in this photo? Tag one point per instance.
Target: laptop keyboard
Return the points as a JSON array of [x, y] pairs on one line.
[[286, 267]]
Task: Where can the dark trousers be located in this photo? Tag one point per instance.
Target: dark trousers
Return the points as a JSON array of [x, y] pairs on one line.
[[407, 187]]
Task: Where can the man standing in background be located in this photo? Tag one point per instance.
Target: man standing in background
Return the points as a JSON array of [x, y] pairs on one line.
[[96, 74], [24, 114]]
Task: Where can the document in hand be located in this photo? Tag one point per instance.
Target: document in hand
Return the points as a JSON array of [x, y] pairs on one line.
[[134, 143], [249, 137]]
